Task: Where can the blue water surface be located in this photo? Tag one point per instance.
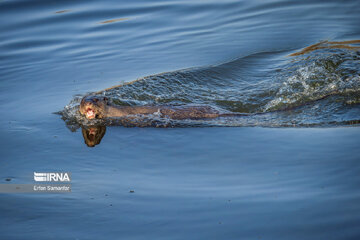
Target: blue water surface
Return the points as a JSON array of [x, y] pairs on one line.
[[187, 183]]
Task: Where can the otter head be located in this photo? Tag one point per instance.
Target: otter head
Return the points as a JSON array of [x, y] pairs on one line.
[[93, 106]]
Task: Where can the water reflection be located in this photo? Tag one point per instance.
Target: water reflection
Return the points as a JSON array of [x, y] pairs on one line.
[[329, 45], [93, 135], [114, 20], [62, 11]]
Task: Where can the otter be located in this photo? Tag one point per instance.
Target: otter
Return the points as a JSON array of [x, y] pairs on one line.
[[99, 107]]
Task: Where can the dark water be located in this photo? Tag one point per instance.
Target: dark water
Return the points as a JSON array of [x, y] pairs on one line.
[[299, 180]]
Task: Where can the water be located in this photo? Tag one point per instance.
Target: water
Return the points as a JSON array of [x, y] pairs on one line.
[[298, 179]]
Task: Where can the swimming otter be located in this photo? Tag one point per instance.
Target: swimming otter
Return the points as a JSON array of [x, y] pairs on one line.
[[97, 107]]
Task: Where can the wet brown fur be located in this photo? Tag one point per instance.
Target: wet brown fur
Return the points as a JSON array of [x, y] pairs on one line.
[[104, 109]]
